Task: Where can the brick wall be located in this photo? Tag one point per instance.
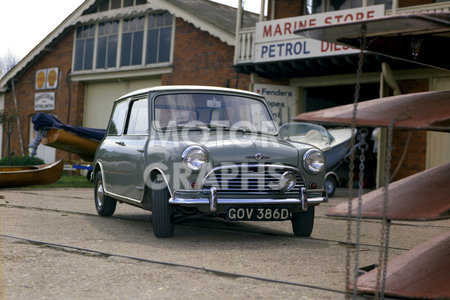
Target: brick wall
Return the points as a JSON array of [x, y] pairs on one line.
[[202, 59], [406, 3], [286, 8], [415, 155], [60, 55]]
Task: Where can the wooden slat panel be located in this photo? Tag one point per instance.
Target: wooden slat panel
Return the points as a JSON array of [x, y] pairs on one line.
[[422, 111], [422, 272], [422, 196]]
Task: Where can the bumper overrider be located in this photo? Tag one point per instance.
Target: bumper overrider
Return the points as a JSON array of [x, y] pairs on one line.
[[215, 204]]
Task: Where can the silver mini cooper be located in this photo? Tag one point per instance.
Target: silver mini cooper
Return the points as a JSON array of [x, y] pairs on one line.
[[184, 150]]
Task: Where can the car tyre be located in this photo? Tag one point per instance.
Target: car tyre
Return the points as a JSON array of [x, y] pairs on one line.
[[104, 204], [162, 220], [330, 185], [303, 222]]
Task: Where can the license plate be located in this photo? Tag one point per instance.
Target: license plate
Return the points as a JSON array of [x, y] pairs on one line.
[[257, 214]]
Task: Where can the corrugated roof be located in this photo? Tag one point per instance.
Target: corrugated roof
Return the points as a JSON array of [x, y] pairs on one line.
[[215, 13]]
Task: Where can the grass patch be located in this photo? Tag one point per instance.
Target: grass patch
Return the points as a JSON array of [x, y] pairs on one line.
[[69, 181]]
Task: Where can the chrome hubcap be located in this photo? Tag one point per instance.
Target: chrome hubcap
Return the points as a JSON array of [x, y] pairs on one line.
[[328, 186], [100, 194]]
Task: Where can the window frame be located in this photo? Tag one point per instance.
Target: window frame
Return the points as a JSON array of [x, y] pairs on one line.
[[126, 103], [143, 98], [118, 68], [327, 5]]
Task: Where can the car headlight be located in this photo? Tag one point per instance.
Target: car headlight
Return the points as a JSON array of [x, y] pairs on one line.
[[314, 161], [194, 158]]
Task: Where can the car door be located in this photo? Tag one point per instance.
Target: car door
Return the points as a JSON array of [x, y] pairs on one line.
[[133, 145], [111, 150]]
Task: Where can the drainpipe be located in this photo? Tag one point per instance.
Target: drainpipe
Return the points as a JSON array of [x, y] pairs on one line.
[[237, 44], [18, 118], [261, 11], [272, 11]]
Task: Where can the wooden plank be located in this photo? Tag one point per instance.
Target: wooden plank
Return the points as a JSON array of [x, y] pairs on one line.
[[422, 272], [421, 111], [422, 196]]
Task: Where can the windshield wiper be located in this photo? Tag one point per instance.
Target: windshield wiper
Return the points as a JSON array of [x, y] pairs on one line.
[[188, 127], [227, 128]]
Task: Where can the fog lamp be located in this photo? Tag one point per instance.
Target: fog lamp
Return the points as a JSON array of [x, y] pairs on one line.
[[287, 181]]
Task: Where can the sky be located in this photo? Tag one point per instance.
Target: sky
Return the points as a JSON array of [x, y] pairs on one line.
[[24, 23]]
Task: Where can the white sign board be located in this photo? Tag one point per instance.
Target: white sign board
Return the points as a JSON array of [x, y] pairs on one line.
[[44, 101], [281, 99], [275, 40]]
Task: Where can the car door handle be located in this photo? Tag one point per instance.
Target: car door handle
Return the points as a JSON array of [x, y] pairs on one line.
[[120, 143]]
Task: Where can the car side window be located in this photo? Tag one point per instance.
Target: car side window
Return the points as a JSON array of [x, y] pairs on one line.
[[118, 118], [138, 120]]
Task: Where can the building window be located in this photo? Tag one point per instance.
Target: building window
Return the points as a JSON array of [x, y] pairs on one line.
[[105, 5], [159, 36], [387, 3], [116, 4], [107, 44], [137, 41], [127, 3], [319, 6], [84, 47], [132, 41]]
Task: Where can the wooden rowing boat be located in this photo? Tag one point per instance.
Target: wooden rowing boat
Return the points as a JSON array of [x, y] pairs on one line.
[[21, 176], [51, 132], [70, 142]]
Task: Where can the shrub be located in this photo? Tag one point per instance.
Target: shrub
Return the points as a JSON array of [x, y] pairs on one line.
[[21, 161]]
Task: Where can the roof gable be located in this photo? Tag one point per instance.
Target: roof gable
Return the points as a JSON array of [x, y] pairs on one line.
[[216, 19]]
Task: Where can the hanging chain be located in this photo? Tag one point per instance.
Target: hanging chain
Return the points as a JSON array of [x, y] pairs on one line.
[[363, 147], [386, 223], [385, 226], [352, 162]]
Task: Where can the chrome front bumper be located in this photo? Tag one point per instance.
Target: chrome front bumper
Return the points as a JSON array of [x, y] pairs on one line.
[[210, 197]]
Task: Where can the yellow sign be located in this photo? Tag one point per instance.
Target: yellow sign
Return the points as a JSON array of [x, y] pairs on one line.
[[47, 79], [51, 78], [40, 79]]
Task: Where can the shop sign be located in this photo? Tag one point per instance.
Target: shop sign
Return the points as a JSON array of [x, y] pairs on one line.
[[44, 101], [281, 100], [275, 40], [46, 79]]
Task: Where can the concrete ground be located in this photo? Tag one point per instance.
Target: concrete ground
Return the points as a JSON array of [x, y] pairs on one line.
[[53, 245]]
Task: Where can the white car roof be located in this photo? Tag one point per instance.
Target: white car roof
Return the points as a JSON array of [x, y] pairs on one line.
[[188, 87]]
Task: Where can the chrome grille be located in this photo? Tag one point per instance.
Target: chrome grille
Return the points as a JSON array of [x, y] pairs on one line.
[[252, 180]]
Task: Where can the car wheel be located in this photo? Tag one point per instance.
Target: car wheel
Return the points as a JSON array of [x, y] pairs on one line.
[[330, 185], [161, 212], [303, 222], [104, 204]]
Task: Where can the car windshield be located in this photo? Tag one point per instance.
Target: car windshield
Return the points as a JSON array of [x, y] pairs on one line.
[[214, 111], [305, 133]]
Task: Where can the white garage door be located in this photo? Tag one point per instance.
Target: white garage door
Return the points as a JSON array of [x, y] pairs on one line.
[[99, 98]]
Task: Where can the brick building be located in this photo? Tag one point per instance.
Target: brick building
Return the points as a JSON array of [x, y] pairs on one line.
[[321, 75], [107, 48]]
